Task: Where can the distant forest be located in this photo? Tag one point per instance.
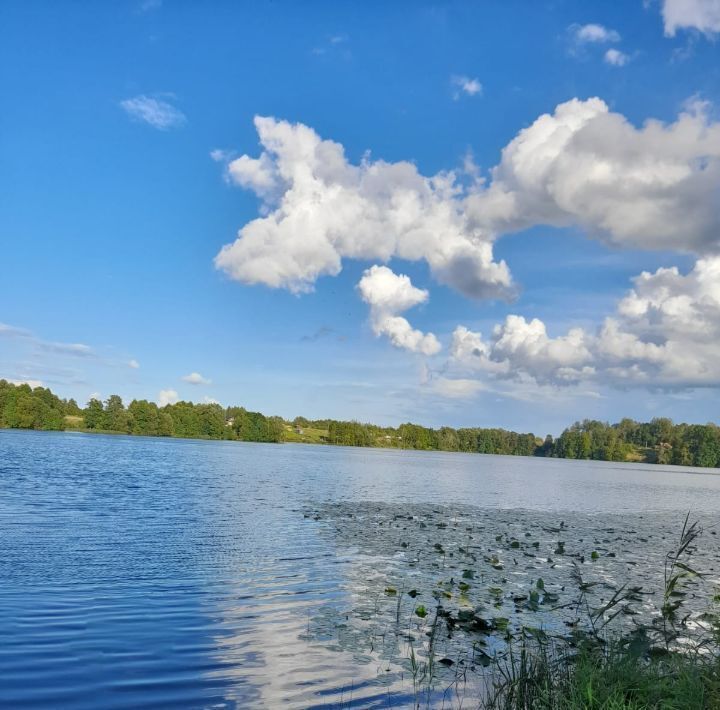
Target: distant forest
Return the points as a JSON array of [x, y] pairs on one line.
[[658, 441]]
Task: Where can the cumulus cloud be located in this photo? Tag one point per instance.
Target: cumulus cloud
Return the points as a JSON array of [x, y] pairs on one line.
[[665, 333], [465, 85], [195, 378], [616, 58], [388, 294], [318, 209], [701, 15], [166, 397], [593, 34], [133, 364], [654, 187], [157, 113]]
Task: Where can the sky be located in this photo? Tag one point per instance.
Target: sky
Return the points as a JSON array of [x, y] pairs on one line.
[[451, 213]]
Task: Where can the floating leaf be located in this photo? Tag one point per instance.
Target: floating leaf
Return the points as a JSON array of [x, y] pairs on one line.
[[390, 591], [421, 611]]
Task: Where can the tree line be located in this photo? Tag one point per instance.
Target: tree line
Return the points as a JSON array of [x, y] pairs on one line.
[[22, 407], [658, 441]]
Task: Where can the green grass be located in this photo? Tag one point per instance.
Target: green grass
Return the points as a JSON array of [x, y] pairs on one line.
[[601, 679], [309, 435]]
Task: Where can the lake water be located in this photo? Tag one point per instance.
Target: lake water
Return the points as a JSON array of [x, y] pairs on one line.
[[140, 572]]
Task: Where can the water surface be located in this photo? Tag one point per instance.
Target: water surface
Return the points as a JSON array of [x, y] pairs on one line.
[[141, 572]]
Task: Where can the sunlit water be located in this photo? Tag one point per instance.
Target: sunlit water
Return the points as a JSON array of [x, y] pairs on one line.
[[139, 572]]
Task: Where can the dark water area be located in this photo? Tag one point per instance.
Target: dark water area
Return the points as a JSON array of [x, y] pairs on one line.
[[157, 573]]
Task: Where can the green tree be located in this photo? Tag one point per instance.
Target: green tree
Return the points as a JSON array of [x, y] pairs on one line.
[[94, 415]]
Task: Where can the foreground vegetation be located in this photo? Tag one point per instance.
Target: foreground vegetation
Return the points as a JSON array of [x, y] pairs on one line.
[[519, 610], [658, 441], [610, 678], [672, 663]]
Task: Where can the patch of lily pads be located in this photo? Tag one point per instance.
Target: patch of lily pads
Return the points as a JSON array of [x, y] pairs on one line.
[[447, 589]]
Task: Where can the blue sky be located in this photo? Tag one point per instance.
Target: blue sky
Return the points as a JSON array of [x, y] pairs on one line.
[[113, 210]]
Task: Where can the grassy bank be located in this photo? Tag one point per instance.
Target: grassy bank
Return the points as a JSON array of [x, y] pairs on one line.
[[607, 678]]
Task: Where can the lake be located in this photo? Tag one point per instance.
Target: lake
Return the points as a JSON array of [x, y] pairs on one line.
[[143, 572]]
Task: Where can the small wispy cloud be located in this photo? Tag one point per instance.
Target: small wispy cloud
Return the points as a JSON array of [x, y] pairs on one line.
[[465, 85], [133, 364], [11, 331], [593, 34], [332, 44], [220, 155], [156, 112], [75, 349], [583, 38], [195, 378], [616, 58]]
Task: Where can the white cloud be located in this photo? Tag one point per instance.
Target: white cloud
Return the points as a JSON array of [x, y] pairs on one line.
[[664, 333], [133, 364], [31, 383], [465, 85], [701, 15], [76, 349], [11, 331], [616, 58], [593, 34], [388, 294], [648, 187], [195, 378], [72, 349], [319, 209], [521, 348], [166, 397], [653, 187], [209, 400], [157, 113]]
